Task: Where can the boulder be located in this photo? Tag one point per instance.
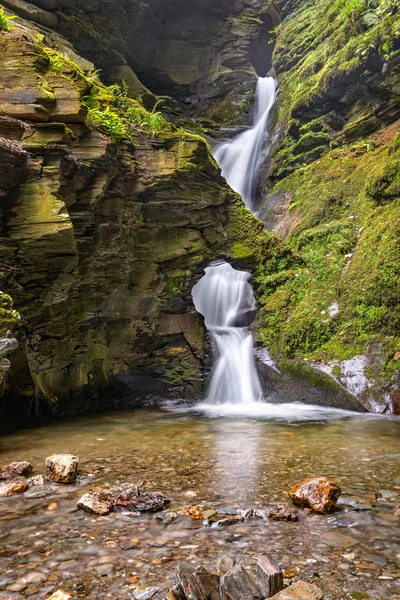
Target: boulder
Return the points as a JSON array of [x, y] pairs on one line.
[[301, 590], [12, 488], [99, 503], [16, 468], [318, 493], [284, 512], [62, 468]]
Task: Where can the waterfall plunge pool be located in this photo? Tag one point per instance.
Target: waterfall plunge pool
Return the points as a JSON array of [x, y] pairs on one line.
[[210, 462]]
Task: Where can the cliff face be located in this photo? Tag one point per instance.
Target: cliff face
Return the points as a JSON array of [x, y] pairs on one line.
[[102, 240], [205, 54], [334, 196]]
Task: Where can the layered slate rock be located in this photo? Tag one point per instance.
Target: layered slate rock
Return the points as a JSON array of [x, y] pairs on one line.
[[117, 234], [319, 493]]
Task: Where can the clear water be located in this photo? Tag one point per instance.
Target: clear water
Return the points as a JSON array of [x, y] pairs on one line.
[[225, 298], [241, 462], [240, 158]]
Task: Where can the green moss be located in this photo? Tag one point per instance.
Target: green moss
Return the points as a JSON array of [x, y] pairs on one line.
[[8, 316], [5, 20]]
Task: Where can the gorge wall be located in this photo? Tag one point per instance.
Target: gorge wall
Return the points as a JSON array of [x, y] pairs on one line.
[[106, 226]]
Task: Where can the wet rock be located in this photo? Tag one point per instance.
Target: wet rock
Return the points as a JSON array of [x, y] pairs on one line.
[[22, 468], [62, 468], [319, 493], [204, 585], [238, 584], [99, 503], [252, 513], [396, 510], [135, 499], [39, 491], [167, 518], [59, 595], [269, 576], [230, 520], [301, 590], [40, 480], [12, 488], [284, 512]]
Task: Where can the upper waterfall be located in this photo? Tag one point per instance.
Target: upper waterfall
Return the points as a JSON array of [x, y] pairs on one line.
[[240, 158]]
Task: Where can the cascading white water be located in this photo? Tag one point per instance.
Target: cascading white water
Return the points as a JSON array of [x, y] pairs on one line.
[[225, 298], [240, 158]]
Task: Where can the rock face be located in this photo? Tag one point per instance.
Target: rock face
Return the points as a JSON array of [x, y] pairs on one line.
[[117, 233], [206, 55], [99, 503], [62, 468], [319, 493], [334, 196]]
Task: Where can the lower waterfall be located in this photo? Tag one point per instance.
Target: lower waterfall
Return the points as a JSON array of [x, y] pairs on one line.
[[225, 298]]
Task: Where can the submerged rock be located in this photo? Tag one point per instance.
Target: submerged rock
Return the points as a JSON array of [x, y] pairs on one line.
[[99, 503], [318, 493], [284, 512], [135, 499], [12, 488], [39, 491], [301, 590], [251, 513], [167, 518], [16, 468], [62, 468]]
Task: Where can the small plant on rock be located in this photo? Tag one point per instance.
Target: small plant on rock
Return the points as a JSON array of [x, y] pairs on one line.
[[5, 20]]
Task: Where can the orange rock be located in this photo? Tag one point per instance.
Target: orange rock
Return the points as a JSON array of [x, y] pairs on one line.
[[396, 510], [13, 487], [318, 493]]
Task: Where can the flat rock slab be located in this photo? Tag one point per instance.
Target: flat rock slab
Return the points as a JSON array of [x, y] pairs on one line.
[[318, 493], [12, 488], [39, 491], [98, 503], [301, 590], [21, 468], [62, 468]]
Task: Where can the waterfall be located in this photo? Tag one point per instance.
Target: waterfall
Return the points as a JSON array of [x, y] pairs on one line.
[[225, 299], [240, 158], [224, 296]]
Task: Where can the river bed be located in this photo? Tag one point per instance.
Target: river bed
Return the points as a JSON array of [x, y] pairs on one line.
[[213, 461]]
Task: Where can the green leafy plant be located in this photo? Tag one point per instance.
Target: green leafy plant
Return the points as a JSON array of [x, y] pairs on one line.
[[5, 20]]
